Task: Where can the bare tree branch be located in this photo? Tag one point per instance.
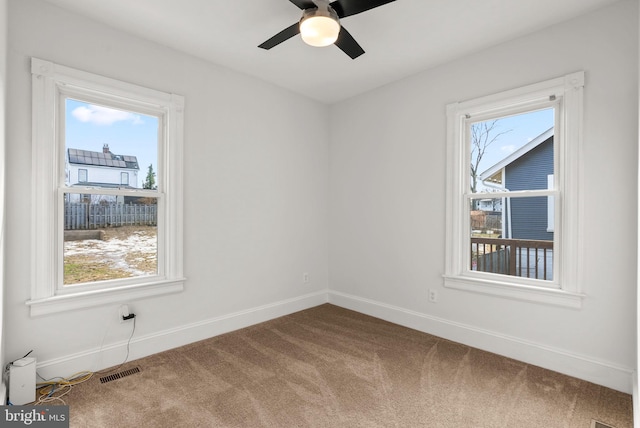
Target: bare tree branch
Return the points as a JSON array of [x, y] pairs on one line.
[[483, 135]]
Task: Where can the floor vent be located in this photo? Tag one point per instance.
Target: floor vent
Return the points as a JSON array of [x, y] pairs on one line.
[[598, 424], [135, 370]]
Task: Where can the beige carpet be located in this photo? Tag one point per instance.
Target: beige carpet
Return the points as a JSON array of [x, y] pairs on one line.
[[330, 367]]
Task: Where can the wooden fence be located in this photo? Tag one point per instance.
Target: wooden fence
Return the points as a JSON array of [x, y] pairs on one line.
[[93, 216]]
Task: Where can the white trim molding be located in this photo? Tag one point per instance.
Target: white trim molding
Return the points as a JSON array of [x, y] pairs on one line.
[[559, 360], [52, 84], [565, 95], [571, 364], [143, 346]]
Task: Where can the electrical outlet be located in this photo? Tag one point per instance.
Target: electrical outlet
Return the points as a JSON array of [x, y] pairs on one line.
[[123, 313], [433, 295], [305, 278]]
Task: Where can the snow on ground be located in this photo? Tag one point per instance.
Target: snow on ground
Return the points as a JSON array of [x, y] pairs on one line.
[[127, 251]]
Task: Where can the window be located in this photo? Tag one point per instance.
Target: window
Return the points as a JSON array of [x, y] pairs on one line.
[[512, 193], [77, 258]]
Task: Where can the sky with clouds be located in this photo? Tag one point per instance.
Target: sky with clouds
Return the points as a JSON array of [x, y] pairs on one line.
[[90, 127]]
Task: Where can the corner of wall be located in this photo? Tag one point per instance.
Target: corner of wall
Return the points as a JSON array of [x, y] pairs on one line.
[[558, 360]]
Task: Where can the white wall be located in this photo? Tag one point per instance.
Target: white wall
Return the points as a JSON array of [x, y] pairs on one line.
[[255, 197], [3, 85], [387, 200], [258, 212], [636, 391]]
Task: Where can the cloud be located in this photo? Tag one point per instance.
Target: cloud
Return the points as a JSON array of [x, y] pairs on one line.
[[98, 115]]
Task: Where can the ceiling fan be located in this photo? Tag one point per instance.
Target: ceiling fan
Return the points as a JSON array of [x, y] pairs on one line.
[[320, 24]]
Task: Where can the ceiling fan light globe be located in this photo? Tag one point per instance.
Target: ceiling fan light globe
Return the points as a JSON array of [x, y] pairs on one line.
[[321, 26], [319, 31]]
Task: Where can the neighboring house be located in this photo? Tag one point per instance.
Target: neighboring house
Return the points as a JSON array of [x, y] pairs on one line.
[[528, 168], [490, 205], [100, 169]]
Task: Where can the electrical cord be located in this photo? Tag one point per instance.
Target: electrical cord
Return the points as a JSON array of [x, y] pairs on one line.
[[53, 389], [6, 367], [126, 358]]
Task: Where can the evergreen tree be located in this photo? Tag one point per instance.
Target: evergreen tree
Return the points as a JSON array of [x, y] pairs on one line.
[[150, 180]]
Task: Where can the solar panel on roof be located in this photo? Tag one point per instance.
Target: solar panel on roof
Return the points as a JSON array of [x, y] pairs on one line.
[[88, 157]]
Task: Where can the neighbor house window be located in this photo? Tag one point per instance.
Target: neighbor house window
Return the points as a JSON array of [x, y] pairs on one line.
[[110, 239], [513, 225]]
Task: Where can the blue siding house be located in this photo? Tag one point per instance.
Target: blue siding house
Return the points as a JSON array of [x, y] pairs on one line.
[[528, 168]]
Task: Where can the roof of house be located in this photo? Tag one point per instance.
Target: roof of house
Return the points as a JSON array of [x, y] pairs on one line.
[[494, 173], [86, 157]]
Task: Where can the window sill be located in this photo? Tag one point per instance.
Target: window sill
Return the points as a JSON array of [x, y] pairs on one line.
[[87, 299], [507, 290]]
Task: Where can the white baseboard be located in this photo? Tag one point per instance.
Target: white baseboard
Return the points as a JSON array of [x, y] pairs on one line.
[[113, 355], [581, 367], [601, 373]]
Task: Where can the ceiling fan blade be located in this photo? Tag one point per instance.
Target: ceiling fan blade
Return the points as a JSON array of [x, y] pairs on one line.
[[283, 35], [304, 4], [348, 44], [346, 8]]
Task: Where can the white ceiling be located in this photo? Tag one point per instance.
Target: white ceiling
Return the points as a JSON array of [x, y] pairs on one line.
[[399, 38]]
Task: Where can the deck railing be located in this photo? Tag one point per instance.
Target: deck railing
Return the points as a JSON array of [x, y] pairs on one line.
[[518, 257]]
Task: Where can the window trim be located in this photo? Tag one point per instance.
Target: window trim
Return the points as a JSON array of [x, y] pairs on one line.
[[51, 83], [568, 134]]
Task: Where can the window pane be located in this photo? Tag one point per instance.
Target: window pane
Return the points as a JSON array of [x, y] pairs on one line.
[[115, 147], [515, 237], [512, 153], [109, 237]]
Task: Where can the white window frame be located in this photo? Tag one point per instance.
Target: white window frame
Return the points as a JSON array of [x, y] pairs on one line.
[[86, 175], [566, 95], [551, 211], [51, 84], [124, 178]]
